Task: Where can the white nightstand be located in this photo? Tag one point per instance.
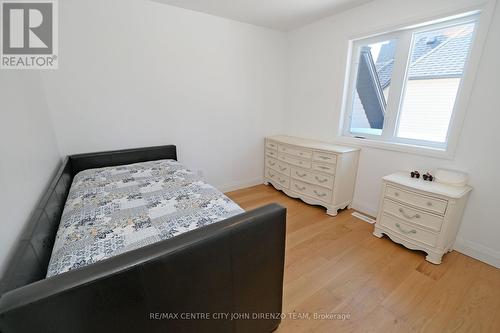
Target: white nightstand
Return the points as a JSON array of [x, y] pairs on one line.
[[421, 215]]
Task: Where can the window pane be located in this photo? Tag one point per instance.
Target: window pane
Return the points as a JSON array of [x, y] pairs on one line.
[[373, 80], [436, 66]]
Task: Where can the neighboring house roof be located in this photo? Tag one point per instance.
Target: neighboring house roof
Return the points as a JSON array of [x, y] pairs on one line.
[[435, 54]]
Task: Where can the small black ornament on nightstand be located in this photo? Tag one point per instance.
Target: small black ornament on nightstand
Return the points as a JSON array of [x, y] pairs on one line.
[[415, 174], [428, 177]]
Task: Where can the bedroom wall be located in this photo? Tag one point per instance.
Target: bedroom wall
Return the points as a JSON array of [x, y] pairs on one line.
[[318, 54], [28, 150], [142, 73]]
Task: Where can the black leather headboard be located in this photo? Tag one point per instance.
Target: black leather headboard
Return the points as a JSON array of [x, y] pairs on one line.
[[121, 157], [31, 256], [32, 253]]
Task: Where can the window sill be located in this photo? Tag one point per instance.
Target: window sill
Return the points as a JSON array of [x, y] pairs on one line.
[[399, 147]]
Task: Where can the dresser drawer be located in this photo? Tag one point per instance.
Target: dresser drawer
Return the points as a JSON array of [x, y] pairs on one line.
[[324, 157], [271, 145], [411, 215], [401, 228], [271, 153], [278, 178], [312, 191], [278, 166], [295, 151], [324, 167], [295, 161], [418, 200], [312, 177]]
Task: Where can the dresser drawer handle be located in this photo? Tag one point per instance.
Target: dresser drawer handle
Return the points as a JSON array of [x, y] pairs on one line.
[[301, 153], [412, 231], [270, 175], [429, 203], [282, 168], [324, 157], [396, 194], [320, 180], [300, 188], [416, 216], [272, 163], [282, 181], [319, 194], [300, 175], [323, 167]]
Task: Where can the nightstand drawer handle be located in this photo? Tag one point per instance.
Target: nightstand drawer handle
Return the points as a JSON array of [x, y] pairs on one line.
[[282, 181], [416, 216], [300, 188], [282, 168], [396, 194], [270, 174], [319, 194], [412, 231], [320, 180], [300, 175], [429, 203], [272, 163]]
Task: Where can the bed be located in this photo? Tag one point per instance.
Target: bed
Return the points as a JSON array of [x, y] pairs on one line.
[[131, 240]]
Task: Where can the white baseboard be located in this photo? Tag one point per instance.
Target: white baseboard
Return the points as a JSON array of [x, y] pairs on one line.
[[477, 251], [239, 185], [365, 209]]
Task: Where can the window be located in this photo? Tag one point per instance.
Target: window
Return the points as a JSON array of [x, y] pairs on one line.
[[403, 85]]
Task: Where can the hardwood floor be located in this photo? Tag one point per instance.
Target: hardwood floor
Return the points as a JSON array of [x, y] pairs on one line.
[[335, 265]]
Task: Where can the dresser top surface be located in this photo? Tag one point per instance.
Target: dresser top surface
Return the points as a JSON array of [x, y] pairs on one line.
[[313, 144], [403, 178]]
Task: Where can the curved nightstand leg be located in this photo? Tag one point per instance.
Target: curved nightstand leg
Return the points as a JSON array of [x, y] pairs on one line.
[[434, 258], [377, 233], [331, 212]]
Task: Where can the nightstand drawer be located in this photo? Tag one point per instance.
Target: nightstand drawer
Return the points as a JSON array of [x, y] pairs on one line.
[[312, 191], [313, 177], [278, 178], [412, 215], [324, 157], [401, 228], [295, 161], [324, 167], [303, 153], [414, 199]]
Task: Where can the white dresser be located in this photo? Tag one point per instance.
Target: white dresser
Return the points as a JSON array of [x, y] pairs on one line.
[[319, 173], [421, 215]]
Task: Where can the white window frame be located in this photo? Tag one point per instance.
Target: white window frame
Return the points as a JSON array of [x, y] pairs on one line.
[[388, 139]]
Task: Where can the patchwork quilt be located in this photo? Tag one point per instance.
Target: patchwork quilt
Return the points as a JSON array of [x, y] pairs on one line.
[[113, 210]]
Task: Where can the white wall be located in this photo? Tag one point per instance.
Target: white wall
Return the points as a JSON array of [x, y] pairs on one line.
[[317, 62], [141, 73], [28, 151]]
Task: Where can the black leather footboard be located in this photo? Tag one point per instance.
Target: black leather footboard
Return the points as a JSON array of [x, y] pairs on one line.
[[225, 277], [196, 282]]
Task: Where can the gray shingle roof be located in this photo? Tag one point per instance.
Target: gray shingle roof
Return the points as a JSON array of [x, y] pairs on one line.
[[435, 54]]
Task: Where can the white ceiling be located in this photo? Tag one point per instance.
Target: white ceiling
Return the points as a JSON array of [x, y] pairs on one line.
[[275, 14]]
